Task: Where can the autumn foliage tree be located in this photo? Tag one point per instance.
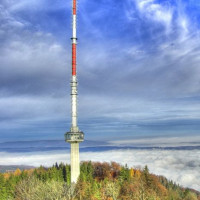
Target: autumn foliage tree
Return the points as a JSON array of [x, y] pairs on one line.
[[97, 181]]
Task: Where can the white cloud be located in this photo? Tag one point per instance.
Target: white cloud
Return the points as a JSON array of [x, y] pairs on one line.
[[183, 21], [156, 12], [172, 16], [179, 166], [184, 24]]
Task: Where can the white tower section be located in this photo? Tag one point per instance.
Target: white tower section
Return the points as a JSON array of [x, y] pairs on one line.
[[74, 136]]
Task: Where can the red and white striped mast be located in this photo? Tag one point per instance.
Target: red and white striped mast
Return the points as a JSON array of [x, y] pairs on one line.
[[74, 78], [74, 136]]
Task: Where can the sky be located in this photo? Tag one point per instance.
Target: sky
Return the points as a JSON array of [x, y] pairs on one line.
[[139, 83], [138, 69]]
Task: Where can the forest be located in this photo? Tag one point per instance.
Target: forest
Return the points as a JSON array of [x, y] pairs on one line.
[[97, 181]]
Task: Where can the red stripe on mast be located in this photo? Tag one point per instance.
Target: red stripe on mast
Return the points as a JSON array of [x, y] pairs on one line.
[[74, 7], [73, 59]]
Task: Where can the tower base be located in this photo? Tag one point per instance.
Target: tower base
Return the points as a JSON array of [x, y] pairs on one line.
[[75, 164]]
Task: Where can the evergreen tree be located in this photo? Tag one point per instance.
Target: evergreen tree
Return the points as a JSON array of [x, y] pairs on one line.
[[3, 188]]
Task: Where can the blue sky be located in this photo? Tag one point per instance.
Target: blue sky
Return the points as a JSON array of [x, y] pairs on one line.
[[138, 69]]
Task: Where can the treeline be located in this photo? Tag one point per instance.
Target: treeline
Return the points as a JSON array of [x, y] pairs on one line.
[[97, 181]]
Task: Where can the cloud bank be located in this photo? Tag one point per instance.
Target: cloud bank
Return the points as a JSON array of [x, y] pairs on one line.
[[179, 166]]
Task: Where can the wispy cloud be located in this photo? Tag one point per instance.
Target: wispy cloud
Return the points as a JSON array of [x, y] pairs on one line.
[[161, 13]]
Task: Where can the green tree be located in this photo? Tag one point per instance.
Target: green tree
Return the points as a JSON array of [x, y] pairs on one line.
[[124, 173], [3, 189], [147, 176]]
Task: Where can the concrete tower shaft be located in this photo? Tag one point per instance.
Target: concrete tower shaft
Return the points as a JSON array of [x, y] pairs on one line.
[[74, 136]]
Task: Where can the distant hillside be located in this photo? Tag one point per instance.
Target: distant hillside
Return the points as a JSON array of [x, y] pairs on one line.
[[5, 168], [97, 181]]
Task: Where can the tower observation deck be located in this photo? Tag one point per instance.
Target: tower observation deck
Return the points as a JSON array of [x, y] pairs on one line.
[[74, 136]]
